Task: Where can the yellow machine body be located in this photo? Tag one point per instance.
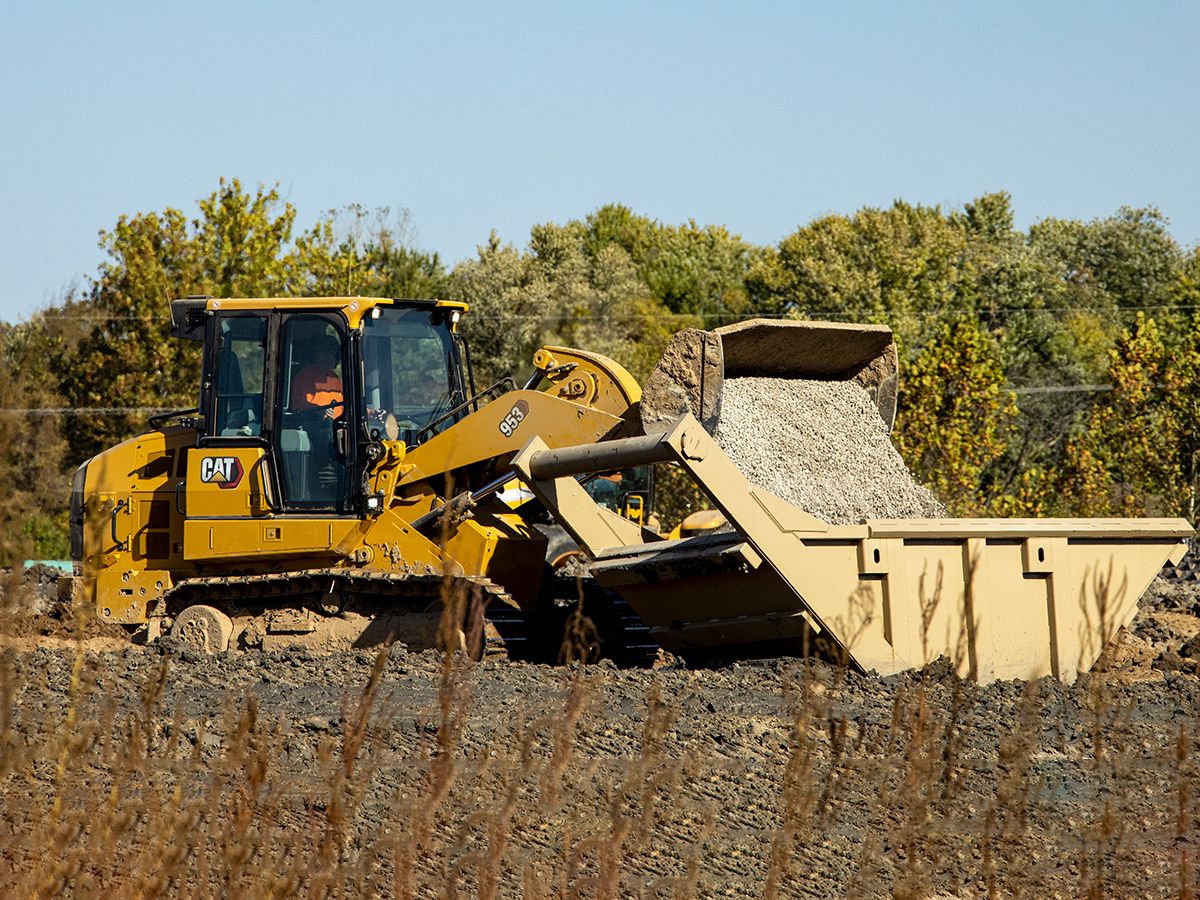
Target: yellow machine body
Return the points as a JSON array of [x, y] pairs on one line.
[[167, 507]]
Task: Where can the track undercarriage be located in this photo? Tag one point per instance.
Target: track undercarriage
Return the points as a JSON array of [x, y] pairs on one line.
[[333, 609]]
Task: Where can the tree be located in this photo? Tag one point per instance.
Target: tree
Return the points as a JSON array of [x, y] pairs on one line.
[[356, 251], [900, 266], [690, 269], [955, 417], [1146, 431], [127, 363], [698, 270], [34, 492], [565, 289], [510, 308]]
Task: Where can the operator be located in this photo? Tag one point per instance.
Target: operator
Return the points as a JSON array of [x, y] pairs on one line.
[[317, 385]]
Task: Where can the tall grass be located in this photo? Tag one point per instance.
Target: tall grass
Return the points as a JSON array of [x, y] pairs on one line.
[[586, 781]]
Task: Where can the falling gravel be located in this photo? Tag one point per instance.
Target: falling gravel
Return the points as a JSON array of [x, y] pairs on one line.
[[822, 446]]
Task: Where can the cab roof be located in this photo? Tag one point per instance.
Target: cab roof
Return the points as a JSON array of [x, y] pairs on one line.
[[354, 308]]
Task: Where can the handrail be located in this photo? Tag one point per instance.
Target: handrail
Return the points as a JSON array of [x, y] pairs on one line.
[[503, 386], [158, 418], [121, 545]]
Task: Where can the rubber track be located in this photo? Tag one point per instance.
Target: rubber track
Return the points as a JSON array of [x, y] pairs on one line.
[[634, 648], [310, 588]]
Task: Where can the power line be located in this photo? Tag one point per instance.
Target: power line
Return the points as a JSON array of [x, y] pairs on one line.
[[154, 410], [84, 410], [1061, 389]]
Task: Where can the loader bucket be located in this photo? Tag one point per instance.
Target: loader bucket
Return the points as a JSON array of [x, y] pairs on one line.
[[1001, 598], [691, 373]]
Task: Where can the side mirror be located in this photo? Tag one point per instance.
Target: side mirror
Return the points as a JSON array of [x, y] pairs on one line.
[[634, 508]]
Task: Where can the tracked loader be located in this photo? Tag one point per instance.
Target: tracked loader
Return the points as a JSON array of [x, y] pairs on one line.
[[343, 482]]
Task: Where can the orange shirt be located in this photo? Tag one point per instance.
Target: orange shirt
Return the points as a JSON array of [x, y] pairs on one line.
[[317, 386]]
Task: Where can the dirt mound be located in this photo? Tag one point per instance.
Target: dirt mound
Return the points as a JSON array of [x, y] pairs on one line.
[[32, 609], [281, 772]]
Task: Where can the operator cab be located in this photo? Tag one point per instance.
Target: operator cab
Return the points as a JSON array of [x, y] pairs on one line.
[[315, 383]]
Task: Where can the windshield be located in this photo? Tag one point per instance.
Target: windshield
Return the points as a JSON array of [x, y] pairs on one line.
[[610, 489], [408, 366]]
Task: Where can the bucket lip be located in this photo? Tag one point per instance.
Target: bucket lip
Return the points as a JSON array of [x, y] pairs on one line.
[[1079, 529], [807, 324]]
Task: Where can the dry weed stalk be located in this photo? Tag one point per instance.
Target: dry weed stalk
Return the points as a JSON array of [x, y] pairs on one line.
[[799, 787], [1006, 818], [580, 689], [1102, 845], [499, 822], [1185, 777], [459, 630]]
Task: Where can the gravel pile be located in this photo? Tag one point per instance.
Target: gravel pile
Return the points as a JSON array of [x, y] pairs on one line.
[[822, 446]]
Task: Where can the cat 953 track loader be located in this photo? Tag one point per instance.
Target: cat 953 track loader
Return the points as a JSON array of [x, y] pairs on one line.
[[342, 482]]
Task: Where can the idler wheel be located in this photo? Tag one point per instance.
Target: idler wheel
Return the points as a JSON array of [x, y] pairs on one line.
[[203, 627]]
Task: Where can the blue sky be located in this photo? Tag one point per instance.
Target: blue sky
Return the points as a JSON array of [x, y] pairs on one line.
[[474, 117]]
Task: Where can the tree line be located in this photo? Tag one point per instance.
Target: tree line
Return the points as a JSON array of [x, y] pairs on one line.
[[1048, 371]]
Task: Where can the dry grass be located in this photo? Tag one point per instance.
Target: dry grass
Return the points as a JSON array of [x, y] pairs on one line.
[[906, 790]]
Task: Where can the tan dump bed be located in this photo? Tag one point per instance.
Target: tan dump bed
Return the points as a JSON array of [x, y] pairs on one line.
[[1002, 598]]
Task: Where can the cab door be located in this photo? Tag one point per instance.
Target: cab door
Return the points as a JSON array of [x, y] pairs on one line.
[[312, 409], [227, 475], [267, 478]]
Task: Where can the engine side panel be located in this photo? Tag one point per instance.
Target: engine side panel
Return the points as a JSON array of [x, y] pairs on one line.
[[132, 546]]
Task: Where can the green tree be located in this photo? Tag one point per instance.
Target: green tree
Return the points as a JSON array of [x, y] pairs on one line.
[[127, 363], [691, 269], [955, 417], [32, 449], [356, 251], [510, 307], [900, 266], [1146, 431], [564, 289]]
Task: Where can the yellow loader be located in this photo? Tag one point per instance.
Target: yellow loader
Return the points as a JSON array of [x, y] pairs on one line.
[[341, 483]]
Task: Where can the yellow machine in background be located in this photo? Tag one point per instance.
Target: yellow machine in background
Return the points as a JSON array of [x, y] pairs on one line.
[[342, 481], [263, 517]]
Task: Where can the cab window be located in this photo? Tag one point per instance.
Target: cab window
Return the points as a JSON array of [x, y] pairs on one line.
[[408, 367], [241, 362]]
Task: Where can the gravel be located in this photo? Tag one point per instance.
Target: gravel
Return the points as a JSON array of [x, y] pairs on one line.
[[822, 446]]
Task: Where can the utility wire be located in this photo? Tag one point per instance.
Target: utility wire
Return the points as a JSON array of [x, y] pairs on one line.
[[84, 411], [154, 410], [1060, 389], [940, 312]]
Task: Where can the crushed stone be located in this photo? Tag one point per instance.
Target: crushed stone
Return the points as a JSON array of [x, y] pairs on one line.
[[821, 446]]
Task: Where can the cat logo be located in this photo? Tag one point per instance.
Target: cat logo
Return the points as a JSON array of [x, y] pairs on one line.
[[225, 471]]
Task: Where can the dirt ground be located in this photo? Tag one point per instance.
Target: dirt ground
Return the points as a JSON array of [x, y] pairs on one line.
[[397, 774]]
